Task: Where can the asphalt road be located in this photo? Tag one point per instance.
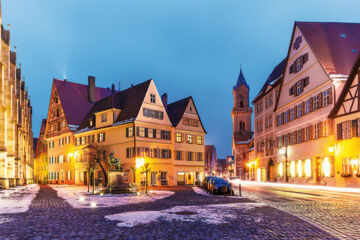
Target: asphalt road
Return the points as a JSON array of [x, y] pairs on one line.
[[337, 213]]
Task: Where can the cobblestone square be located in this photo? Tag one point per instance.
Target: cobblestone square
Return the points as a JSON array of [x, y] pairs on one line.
[[50, 217]]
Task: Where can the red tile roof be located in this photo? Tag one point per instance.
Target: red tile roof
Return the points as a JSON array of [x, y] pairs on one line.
[[74, 99], [335, 45]]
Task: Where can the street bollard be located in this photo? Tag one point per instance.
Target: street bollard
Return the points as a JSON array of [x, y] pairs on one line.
[[240, 190]]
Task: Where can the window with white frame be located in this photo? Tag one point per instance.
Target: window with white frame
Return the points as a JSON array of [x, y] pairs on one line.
[[286, 117], [152, 98], [326, 97], [346, 130], [103, 117], [299, 136], [307, 106], [325, 128], [299, 111], [299, 88], [316, 103], [178, 137], [316, 131]]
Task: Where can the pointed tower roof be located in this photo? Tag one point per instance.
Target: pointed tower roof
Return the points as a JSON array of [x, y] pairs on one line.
[[241, 80]]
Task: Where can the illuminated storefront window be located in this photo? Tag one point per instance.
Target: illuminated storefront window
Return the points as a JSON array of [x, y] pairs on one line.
[[281, 169], [258, 174], [327, 167], [292, 168], [299, 168], [351, 167], [308, 167]]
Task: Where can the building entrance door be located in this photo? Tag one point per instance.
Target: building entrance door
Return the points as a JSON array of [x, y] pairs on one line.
[[62, 176], [189, 178], [153, 178], [271, 171], [85, 178]]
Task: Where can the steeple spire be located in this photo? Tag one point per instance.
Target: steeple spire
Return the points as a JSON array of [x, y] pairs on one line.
[[241, 80]]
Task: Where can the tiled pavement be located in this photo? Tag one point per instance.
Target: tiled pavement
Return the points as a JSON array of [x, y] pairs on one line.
[[50, 217], [340, 217]]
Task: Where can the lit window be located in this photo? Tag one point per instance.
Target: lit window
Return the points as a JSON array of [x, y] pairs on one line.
[[292, 168], [308, 167], [299, 168], [152, 98], [258, 175], [130, 132], [103, 117], [178, 137], [327, 167], [101, 137], [281, 169], [189, 138], [199, 140]]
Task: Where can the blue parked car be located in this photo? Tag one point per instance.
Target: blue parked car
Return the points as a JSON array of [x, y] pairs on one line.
[[218, 185]]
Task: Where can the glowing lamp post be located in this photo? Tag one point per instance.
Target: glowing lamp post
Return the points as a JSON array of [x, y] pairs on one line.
[[140, 163]]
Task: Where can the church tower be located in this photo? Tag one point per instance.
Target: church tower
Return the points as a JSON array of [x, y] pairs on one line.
[[241, 117]]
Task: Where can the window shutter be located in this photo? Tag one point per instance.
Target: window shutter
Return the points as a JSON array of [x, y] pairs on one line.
[[320, 99], [282, 118], [330, 96], [137, 131], [306, 81], [320, 129], [311, 134], [289, 139], [354, 129], [305, 57], [303, 135], [98, 137], [289, 118], [339, 131], [291, 91], [302, 108], [291, 69], [127, 132], [295, 112], [146, 132], [295, 137], [311, 104], [104, 137]]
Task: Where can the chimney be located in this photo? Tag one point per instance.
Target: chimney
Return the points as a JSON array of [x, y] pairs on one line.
[[112, 88], [164, 100], [91, 89]]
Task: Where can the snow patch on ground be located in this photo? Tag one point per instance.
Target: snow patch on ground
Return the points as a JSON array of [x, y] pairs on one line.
[[17, 200], [78, 197], [210, 214], [200, 191]]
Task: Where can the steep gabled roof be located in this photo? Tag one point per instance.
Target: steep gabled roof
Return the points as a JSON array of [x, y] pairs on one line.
[[129, 101], [346, 88], [273, 79], [176, 110], [74, 99], [241, 81], [42, 132], [335, 45]]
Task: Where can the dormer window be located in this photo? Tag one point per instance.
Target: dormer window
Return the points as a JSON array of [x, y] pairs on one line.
[[190, 109], [91, 123], [103, 117], [152, 98]]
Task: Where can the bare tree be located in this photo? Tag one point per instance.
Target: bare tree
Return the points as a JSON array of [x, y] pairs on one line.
[[97, 157]]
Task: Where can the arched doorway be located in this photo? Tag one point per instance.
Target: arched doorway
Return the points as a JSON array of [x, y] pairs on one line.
[[271, 170]]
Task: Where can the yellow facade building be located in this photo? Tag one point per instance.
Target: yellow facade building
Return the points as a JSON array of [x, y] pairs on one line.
[[16, 139], [136, 125], [41, 157]]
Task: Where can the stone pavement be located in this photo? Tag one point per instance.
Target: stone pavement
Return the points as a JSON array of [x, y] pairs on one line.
[[50, 217], [338, 216]]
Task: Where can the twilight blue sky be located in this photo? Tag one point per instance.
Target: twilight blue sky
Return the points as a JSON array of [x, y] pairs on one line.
[[189, 47]]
